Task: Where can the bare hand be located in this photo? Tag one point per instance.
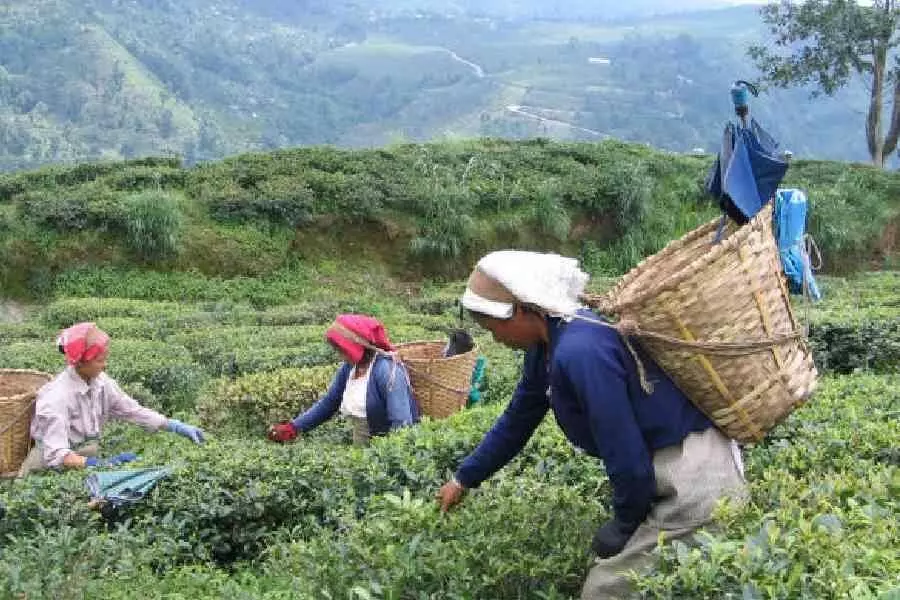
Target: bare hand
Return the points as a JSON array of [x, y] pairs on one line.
[[450, 494]]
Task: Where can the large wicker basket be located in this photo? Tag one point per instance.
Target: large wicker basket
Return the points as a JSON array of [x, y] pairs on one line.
[[441, 385], [18, 392], [717, 318]]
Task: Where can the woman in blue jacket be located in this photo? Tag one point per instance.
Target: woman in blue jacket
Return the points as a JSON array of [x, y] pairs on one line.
[[667, 463], [371, 389]]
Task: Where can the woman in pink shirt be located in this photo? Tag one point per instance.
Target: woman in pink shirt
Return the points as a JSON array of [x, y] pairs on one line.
[[72, 408]]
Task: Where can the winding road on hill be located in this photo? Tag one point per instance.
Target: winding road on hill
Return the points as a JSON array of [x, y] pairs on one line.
[[523, 111]]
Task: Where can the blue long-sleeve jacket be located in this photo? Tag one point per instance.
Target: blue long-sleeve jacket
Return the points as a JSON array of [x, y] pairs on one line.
[[590, 380], [389, 399]]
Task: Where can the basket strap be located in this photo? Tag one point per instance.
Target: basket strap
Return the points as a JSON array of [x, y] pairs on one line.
[[13, 421], [629, 327]]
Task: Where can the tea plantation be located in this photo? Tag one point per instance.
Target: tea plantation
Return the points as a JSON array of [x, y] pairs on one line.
[[241, 517]]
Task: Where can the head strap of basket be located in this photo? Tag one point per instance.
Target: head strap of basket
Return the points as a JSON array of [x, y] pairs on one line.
[[550, 284]]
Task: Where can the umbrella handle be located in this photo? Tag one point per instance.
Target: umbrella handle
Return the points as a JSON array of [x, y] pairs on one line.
[[740, 97], [753, 89]]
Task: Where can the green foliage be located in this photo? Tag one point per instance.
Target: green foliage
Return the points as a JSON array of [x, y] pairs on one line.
[[312, 519], [449, 227], [245, 518], [827, 44], [438, 207], [153, 224], [824, 491], [68, 311], [91, 206], [253, 402], [857, 325]]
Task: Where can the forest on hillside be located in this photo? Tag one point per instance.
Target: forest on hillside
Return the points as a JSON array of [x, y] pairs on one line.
[[203, 79]]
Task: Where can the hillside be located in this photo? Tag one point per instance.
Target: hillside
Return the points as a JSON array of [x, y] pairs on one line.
[[406, 211], [204, 79]]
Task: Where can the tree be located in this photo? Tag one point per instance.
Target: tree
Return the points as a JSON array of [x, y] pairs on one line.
[[827, 42]]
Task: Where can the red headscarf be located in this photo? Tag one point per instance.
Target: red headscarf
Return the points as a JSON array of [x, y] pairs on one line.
[[83, 342], [367, 331]]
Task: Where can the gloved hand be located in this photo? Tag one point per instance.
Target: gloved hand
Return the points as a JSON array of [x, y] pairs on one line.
[[118, 459], [611, 538], [283, 432], [195, 434]]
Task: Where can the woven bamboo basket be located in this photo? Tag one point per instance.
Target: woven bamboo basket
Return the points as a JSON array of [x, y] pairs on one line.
[[18, 392], [717, 319], [441, 385]]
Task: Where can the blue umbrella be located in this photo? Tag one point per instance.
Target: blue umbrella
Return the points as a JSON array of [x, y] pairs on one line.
[[124, 487], [749, 166]]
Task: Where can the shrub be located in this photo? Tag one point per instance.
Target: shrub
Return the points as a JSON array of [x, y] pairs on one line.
[[65, 312], [312, 519], [857, 324], [280, 201], [153, 224], [93, 207], [253, 402]]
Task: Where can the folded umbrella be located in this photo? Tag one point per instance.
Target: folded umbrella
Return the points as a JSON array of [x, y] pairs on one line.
[[124, 487], [749, 166]]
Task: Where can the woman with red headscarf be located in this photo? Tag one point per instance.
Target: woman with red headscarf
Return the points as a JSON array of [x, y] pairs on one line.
[[71, 410], [371, 389]]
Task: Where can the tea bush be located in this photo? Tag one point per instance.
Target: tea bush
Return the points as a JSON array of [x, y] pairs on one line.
[[241, 517], [166, 370], [253, 402], [66, 311], [857, 325], [313, 519], [822, 523]]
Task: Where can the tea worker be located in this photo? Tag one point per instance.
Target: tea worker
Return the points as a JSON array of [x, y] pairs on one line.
[[667, 463], [71, 410], [371, 387]]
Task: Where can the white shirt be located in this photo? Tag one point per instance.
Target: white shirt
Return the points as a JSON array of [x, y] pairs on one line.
[[353, 402], [69, 412]]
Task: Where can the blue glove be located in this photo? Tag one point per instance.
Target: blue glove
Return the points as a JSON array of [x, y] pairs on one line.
[[118, 459], [195, 434], [122, 458]]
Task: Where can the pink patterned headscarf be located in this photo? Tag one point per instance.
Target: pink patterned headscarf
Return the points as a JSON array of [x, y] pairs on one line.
[[83, 342], [352, 334]]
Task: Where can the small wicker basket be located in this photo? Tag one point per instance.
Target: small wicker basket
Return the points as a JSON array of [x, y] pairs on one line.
[[717, 318], [18, 392], [441, 385]]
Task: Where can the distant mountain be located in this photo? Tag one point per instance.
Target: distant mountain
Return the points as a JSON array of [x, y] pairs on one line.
[[206, 78]]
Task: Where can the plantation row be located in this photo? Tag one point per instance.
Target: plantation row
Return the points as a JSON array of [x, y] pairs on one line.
[[241, 517], [182, 347]]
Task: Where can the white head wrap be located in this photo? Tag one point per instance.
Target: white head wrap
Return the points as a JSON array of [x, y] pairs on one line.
[[551, 282]]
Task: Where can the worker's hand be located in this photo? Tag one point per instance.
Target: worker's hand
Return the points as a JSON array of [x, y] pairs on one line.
[[283, 432], [611, 538], [450, 494], [195, 434]]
